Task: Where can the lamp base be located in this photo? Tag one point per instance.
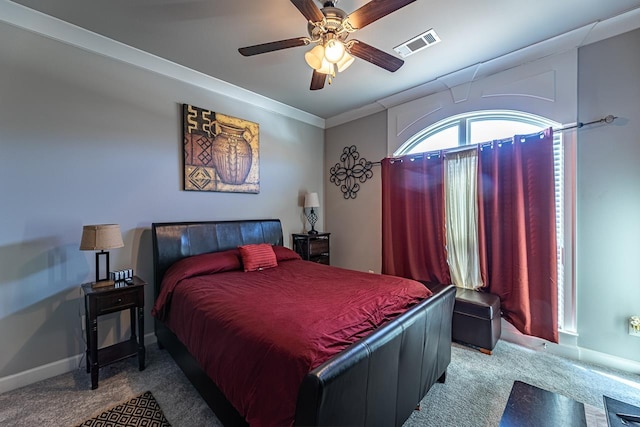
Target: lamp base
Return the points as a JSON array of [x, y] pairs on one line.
[[312, 218], [102, 284]]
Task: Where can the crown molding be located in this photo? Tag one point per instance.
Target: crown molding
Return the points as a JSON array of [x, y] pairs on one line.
[[57, 29]]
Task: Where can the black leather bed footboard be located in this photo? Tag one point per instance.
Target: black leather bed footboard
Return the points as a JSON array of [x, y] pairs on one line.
[[380, 379]]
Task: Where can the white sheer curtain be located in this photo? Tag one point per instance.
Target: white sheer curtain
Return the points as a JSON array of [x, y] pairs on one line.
[[461, 212]]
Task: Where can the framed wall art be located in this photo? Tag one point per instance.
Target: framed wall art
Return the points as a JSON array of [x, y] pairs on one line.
[[221, 153]]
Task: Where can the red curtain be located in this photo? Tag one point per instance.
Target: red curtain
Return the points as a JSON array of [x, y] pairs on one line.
[[413, 234], [516, 221], [517, 231]]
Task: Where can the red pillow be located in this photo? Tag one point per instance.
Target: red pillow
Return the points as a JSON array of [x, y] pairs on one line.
[[208, 263], [258, 257], [285, 254]]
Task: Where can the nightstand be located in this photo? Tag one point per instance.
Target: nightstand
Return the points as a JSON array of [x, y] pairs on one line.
[[313, 247], [107, 300]]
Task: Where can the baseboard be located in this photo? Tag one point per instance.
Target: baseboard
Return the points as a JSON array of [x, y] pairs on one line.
[[40, 373], [610, 361], [568, 348], [50, 370]]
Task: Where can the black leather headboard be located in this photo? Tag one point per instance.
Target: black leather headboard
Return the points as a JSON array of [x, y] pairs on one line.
[[173, 241]]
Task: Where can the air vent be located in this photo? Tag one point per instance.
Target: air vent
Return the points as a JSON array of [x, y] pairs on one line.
[[417, 43]]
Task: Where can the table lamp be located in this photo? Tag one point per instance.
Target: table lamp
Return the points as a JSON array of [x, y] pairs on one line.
[[99, 238], [311, 201]]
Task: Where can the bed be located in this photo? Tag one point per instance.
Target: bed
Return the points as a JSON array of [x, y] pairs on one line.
[[377, 380]]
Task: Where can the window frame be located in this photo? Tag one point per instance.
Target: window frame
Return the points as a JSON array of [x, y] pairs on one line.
[[465, 119]]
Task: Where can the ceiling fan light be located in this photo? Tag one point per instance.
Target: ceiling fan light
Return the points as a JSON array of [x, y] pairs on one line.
[[345, 62], [334, 50], [315, 57], [326, 68]]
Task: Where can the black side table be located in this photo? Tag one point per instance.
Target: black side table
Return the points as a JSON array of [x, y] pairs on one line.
[[313, 247], [110, 299]]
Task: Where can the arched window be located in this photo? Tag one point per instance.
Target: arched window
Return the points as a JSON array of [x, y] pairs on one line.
[[484, 126], [474, 128]]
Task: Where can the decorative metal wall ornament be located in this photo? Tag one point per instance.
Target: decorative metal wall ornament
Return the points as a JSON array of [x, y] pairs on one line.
[[352, 170]]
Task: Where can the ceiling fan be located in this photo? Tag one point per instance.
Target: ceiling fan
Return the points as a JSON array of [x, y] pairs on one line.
[[329, 29]]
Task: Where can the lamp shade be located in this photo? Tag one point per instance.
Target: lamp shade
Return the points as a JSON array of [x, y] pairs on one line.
[[311, 200], [101, 237], [326, 68], [345, 62], [314, 57]]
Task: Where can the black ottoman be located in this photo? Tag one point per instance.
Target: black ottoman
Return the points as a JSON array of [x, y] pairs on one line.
[[476, 319]]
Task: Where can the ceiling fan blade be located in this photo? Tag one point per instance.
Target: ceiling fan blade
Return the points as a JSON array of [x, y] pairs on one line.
[[375, 10], [317, 80], [272, 46], [375, 56], [309, 9]]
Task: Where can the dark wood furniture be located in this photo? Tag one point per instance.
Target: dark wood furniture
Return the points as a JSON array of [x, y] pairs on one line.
[[613, 407], [378, 380], [476, 319], [532, 406], [313, 247], [111, 299]]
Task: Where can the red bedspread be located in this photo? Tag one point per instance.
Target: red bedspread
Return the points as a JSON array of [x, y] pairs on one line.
[[257, 334]]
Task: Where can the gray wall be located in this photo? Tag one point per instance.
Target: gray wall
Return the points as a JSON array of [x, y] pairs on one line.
[[85, 139], [608, 202], [356, 224]]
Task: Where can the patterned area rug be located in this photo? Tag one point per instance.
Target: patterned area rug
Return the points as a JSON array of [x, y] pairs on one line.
[[142, 410]]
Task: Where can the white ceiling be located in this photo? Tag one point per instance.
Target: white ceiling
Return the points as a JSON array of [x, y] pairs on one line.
[[205, 35]]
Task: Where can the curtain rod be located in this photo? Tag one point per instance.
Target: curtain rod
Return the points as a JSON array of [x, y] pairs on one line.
[[608, 119]]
